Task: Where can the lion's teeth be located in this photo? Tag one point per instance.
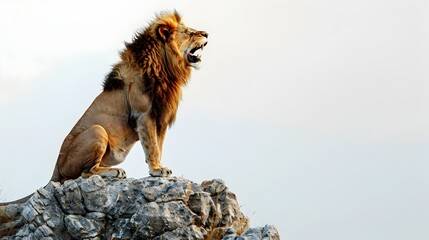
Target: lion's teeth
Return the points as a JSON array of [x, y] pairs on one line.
[[197, 52]]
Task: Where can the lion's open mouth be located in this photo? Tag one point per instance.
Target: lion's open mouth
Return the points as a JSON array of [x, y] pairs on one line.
[[194, 55]]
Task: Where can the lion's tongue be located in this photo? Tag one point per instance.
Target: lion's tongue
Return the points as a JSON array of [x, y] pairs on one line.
[[197, 53]]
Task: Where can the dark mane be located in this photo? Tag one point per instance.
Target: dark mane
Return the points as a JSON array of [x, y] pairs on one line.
[[163, 75], [112, 82]]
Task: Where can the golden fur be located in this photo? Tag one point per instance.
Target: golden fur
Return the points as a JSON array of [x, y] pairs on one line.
[[139, 101]]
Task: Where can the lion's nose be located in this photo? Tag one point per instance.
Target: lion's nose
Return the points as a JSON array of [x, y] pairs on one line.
[[204, 34]]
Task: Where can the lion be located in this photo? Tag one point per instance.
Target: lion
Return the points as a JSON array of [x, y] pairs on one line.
[[139, 101]]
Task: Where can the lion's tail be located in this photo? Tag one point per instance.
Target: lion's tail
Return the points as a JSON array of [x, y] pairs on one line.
[[22, 200], [56, 177], [11, 221]]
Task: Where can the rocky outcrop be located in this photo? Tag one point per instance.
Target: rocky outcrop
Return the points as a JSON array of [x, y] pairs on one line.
[[147, 208]]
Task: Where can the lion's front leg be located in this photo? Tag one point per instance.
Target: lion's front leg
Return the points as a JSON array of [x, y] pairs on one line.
[[151, 142]]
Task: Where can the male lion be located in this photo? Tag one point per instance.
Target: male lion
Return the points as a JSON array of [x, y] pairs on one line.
[[139, 100]]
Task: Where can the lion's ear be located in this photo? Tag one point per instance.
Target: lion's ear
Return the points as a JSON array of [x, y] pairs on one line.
[[165, 32]]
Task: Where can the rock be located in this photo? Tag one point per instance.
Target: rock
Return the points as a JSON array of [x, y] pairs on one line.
[[267, 232], [147, 208], [81, 227], [191, 232], [154, 219]]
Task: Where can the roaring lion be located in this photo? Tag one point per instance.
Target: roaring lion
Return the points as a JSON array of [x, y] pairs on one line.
[[139, 101]]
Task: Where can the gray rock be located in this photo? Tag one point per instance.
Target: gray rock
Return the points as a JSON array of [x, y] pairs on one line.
[[202, 204], [120, 229], [190, 233], [228, 210], [80, 227], [147, 208], [265, 233], [154, 219], [70, 198]]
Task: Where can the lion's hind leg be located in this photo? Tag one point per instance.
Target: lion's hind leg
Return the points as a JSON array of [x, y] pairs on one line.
[[85, 155]]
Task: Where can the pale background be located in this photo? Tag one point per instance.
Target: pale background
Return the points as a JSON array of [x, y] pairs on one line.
[[315, 113]]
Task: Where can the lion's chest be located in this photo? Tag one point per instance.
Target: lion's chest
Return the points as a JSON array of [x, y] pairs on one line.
[[165, 102]]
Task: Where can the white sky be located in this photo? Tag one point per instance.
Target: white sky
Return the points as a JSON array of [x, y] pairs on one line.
[[315, 113]]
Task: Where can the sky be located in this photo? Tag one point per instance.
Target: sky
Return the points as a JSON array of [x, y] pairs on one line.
[[315, 113]]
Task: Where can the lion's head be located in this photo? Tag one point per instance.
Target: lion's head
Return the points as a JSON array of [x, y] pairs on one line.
[[185, 42], [170, 43], [167, 48]]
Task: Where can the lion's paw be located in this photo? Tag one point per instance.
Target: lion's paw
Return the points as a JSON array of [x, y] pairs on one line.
[[161, 172], [107, 173], [121, 173]]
